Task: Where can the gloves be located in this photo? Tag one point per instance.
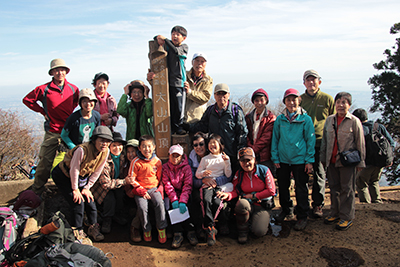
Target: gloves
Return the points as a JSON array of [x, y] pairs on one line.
[[182, 207], [175, 204]]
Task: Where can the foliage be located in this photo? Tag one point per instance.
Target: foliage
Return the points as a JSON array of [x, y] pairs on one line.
[[386, 97], [17, 144]]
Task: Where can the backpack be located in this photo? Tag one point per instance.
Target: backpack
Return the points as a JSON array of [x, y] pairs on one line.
[[30, 246], [10, 222], [378, 149]]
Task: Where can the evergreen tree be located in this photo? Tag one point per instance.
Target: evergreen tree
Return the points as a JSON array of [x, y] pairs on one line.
[[386, 98]]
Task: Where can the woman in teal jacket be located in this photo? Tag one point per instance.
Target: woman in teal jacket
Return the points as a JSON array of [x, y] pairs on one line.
[[292, 151], [138, 112]]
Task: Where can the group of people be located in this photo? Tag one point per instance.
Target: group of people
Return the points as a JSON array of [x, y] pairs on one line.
[[234, 161]]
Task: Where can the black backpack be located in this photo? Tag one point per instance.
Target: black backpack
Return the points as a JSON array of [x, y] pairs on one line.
[[378, 148]]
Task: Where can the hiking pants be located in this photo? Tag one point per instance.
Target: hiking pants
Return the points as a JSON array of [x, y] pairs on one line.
[[113, 203], [258, 216], [159, 209], [319, 181], [211, 206], [64, 185], [301, 189], [47, 153], [177, 99], [342, 186], [367, 181]]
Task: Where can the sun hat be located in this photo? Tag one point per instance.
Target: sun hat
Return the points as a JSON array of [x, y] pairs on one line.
[[103, 132], [86, 92], [58, 63], [176, 149], [290, 91]]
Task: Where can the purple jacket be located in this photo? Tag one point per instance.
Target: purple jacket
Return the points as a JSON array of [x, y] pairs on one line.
[[177, 180]]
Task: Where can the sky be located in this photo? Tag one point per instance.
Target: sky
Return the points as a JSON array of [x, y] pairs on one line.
[[249, 44]]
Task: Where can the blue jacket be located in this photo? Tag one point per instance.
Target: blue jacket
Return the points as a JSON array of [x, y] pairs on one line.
[[293, 141]]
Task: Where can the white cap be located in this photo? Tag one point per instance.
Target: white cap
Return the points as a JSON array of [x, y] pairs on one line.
[[200, 54], [176, 149]]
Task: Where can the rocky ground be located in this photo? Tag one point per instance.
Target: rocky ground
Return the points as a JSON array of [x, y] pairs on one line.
[[372, 241]]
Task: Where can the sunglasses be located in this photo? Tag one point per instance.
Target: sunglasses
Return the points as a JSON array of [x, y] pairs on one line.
[[199, 144]]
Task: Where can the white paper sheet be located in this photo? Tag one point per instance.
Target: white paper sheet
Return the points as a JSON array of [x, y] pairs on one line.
[[176, 216]]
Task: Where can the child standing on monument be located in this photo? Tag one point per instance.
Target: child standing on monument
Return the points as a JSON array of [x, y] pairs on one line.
[[145, 177], [177, 53]]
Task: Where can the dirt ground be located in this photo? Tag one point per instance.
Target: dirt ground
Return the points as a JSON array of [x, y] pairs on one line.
[[373, 240]]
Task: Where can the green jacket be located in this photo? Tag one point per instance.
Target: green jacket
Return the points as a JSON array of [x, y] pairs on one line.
[[128, 111], [318, 108]]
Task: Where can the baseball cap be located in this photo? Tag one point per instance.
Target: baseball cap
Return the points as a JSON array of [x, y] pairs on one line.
[[221, 87], [99, 76], [200, 54], [176, 149], [246, 153], [311, 73], [132, 142]]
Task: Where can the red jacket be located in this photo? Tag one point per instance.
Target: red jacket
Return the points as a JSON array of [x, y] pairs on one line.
[[262, 145], [177, 180], [56, 104], [253, 183]]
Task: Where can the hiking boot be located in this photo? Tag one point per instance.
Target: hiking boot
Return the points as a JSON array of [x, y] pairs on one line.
[[177, 241], [121, 220], [300, 224], [106, 225], [317, 212], [242, 237], [180, 131], [135, 235], [282, 216], [344, 225], [224, 229], [162, 237], [191, 236], [147, 236], [94, 232], [211, 233], [331, 220]]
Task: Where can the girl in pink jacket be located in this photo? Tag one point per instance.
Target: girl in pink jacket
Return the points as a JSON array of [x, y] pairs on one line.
[[177, 180]]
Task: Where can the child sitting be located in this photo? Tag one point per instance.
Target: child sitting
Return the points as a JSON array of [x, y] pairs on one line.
[[138, 112], [108, 191], [215, 165], [177, 180], [145, 176], [80, 125]]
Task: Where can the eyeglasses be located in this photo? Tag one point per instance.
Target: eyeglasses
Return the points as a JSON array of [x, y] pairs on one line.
[[199, 144]]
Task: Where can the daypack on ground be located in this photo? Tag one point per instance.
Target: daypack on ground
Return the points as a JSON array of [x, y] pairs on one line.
[[378, 149], [28, 247], [9, 222]]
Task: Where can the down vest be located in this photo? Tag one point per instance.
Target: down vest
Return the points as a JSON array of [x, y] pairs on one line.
[[177, 180]]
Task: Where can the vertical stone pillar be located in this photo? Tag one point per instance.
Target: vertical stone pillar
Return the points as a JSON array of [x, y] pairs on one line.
[[160, 94]]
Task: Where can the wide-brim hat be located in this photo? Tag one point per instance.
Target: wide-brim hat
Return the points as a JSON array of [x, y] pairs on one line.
[[58, 63], [118, 138], [103, 132]]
